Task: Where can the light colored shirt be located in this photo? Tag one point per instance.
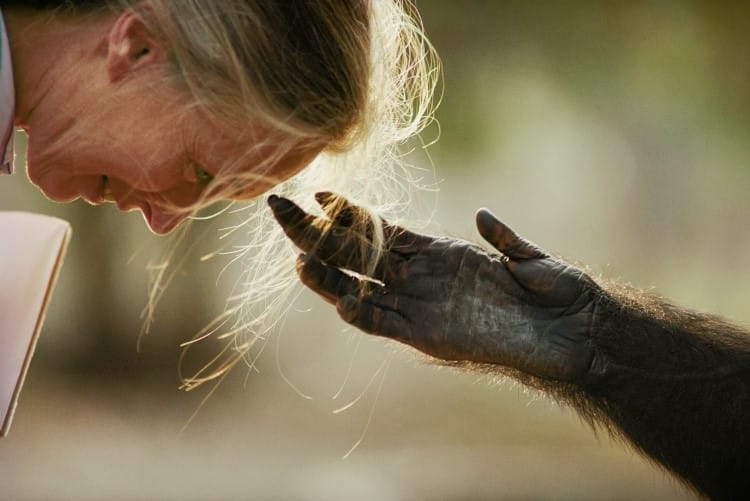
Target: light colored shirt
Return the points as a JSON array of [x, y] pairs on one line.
[[7, 102]]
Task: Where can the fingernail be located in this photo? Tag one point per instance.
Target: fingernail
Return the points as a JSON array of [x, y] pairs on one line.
[[486, 215], [279, 204], [324, 197]]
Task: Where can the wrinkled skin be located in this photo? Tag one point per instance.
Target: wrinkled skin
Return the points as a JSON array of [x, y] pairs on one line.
[[519, 308]]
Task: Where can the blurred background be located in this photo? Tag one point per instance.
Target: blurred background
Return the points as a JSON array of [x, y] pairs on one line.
[[614, 134]]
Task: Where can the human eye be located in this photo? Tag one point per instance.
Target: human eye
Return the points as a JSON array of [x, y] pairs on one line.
[[202, 175]]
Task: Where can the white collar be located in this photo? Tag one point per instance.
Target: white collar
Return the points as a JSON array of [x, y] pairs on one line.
[[7, 102]]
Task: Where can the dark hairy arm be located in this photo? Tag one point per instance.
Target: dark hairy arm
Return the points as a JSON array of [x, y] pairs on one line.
[[676, 383], [672, 382]]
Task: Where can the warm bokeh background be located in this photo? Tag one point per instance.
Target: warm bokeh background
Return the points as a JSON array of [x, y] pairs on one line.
[[615, 134]]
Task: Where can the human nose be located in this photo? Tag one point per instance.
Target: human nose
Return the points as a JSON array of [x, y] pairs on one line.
[[161, 221]]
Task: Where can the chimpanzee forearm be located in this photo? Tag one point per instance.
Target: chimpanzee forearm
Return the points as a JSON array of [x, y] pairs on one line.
[[676, 384]]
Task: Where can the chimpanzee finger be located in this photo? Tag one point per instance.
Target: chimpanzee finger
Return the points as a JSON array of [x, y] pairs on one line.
[[345, 214], [326, 281], [332, 285], [330, 243], [339, 209], [373, 319], [504, 239], [302, 228]]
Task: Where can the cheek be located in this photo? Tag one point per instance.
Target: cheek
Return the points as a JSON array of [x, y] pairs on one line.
[[182, 196], [151, 174], [143, 162]]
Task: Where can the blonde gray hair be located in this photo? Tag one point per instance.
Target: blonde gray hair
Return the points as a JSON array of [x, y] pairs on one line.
[[353, 78]]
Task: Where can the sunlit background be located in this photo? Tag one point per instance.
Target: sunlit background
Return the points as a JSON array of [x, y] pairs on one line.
[[614, 134]]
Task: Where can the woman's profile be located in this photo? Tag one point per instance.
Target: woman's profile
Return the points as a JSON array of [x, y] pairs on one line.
[[166, 107]]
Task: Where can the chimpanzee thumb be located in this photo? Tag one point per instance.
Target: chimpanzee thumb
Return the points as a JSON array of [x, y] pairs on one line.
[[504, 239]]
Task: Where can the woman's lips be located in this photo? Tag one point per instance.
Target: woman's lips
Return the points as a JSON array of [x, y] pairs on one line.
[[100, 191]]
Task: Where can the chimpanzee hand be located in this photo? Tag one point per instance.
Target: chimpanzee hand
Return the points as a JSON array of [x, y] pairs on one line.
[[451, 299]]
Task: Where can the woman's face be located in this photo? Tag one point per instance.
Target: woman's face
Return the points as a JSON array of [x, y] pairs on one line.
[[146, 152], [114, 128]]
